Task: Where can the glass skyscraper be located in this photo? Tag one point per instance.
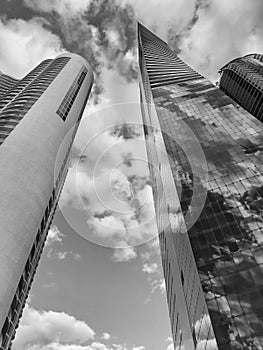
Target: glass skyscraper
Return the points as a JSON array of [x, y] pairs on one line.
[[242, 80], [39, 117], [205, 158]]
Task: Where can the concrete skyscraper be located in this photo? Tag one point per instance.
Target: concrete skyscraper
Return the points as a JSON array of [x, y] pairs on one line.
[[205, 159], [39, 116], [242, 80]]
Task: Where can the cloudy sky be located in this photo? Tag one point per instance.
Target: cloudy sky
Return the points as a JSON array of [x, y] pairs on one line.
[[99, 285]]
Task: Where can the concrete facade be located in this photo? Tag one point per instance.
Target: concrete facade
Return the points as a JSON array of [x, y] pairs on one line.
[[30, 183]]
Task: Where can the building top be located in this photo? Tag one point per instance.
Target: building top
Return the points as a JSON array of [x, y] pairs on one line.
[[255, 56], [162, 63]]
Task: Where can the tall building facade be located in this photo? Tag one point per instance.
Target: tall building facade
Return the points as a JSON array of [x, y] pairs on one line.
[[205, 160], [39, 116], [6, 83], [242, 80]]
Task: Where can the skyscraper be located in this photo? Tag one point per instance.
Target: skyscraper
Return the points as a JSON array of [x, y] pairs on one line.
[[205, 161], [6, 83], [242, 80], [39, 117]]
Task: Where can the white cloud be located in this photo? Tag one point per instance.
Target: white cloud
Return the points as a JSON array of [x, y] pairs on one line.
[[169, 339], [170, 347], [152, 265], [158, 284], [105, 336], [53, 254], [162, 15], [75, 256], [150, 268], [145, 256], [113, 37], [42, 328], [32, 42], [57, 346], [117, 90], [224, 30], [63, 7], [61, 255], [49, 330], [109, 227], [54, 236], [124, 254], [119, 211], [98, 346], [119, 347], [93, 346]]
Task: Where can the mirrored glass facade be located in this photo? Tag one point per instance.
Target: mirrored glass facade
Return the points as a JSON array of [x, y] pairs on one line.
[[242, 80], [205, 158]]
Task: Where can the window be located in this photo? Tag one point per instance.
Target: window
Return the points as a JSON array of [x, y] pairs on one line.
[[67, 103], [32, 87], [182, 277]]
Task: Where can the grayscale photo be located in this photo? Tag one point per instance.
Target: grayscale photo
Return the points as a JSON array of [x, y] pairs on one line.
[[131, 181]]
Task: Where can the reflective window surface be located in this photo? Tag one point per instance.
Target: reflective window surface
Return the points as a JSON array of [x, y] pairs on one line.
[[242, 80], [227, 237], [71, 95], [208, 155]]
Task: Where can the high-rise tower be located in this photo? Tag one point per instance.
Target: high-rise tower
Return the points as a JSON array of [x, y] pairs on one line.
[[6, 83], [242, 80], [39, 116], [205, 159]]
